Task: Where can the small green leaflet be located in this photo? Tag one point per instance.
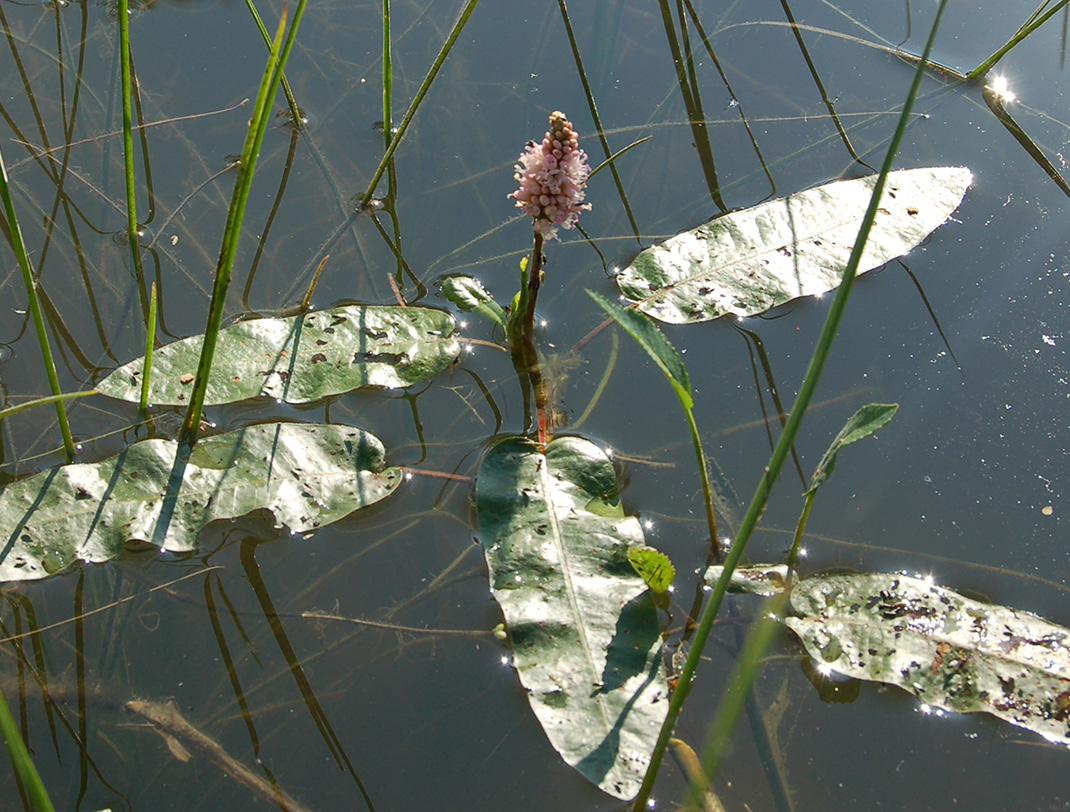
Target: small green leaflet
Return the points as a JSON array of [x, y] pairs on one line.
[[298, 359], [470, 295], [307, 475], [653, 566], [749, 261], [861, 424], [584, 628], [948, 650]]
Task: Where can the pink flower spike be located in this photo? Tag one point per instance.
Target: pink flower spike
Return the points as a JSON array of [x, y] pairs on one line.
[[552, 177]]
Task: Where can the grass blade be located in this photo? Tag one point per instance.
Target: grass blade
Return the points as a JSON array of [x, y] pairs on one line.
[[447, 46], [150, 341], [30, 284], [253, 139], [787, 437], [1032, 23], [132, 230], [297, 118], [21, 761]]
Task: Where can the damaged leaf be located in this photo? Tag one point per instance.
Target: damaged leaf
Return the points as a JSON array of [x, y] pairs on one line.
[[584, 627], [301, 358], [749, 261], [306, 475], [948, 650]]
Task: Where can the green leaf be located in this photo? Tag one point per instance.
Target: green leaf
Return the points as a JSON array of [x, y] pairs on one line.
[[470, 296], [586, 640], [749, 261], [306, 475], [653, 566], [657, 346], [861, 424], [301, 358], [949, 651]]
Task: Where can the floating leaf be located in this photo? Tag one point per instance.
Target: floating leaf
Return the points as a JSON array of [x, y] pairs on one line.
[[306, 475], [586, 641], [471, 297], [301, 358], [653, 566], [949, 651], [749, 261], [861, 424]]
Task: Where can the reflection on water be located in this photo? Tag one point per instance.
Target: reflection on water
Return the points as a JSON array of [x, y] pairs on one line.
[[355, 668]]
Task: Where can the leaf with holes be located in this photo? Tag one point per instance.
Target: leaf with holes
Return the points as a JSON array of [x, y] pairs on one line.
[[306, 475], [301, 358], [749, 261], [948, 650], [584, 628]]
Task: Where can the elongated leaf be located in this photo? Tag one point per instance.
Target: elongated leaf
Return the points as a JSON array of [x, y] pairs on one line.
[[657, 346], [306, 475], [586, 642], [949, 651], [470, 295], [749, 261], [861, 424], [301, 358]]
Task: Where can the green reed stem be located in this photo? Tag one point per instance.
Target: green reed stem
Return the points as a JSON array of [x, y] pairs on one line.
[[254, 137], [800, 528], [30, 284], [133, 235], [1032, 23], [150, 342], [296, 116], [388, 78], [21, 761], [447, 46], [737, 688], [731, 710]]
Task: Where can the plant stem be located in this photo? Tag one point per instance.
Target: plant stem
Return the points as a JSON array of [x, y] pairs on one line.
[[254, 137], [296, 117], [1032, 23], [30, 284], [707, 491], [133, 233], [734, 699], [388, 77], [150, 342], [447, 46], [787, 437], [800, 528], [520, 332], [21, 761]]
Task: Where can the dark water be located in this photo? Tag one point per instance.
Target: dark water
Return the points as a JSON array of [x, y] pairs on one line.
[[967, 483]]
